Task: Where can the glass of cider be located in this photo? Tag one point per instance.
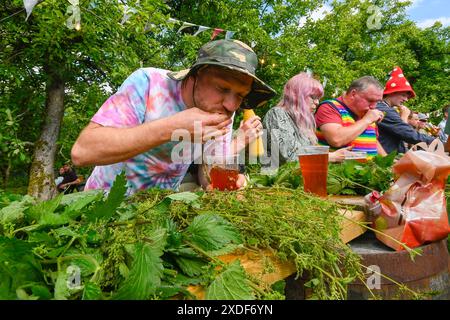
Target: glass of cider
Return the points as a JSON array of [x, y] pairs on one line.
[[314, 167], [223, 171]]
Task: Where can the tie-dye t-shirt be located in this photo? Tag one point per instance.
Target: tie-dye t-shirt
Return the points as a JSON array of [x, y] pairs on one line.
[[146, 95]]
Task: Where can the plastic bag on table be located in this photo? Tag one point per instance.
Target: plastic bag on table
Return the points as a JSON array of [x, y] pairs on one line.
[[413, 210]]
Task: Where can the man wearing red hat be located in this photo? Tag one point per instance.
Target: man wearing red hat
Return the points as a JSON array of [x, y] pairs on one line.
[[393, 131]]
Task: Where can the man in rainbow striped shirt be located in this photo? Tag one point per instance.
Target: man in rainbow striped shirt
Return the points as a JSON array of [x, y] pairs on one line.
[[351, 120]]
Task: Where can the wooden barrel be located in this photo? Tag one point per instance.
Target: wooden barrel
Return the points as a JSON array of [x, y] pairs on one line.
[[428, 273]]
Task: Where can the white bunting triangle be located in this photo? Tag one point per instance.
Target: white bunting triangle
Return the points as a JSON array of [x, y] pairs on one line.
[[186, 25], [29, 5], [201, 29], [229, 35]]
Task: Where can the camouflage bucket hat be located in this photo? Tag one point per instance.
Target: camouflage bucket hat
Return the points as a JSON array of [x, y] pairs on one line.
[[234, 55]]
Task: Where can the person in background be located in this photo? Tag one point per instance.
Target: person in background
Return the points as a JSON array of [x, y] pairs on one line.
[[447, 132], [133, 129], [290, 124], [427, 128], [351, 120], [394, 131], [413, 120], [442, 135], [70, 179], [422, 124]]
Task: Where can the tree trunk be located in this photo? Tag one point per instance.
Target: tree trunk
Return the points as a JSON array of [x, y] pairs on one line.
[[7, 174], [42, 179]]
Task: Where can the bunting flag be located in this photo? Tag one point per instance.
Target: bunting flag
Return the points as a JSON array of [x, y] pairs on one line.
[[74, 21], [186, 25], [29, 5], [229, 35], [201, 29], [216, 32], [253, 44]]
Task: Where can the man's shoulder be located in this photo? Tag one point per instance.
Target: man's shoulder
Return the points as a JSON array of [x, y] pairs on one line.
[[382, 106]]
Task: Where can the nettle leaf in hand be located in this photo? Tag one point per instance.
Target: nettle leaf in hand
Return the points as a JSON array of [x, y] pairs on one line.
[[211, 232]]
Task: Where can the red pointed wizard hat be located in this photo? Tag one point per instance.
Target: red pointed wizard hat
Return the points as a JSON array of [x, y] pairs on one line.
[[398, 83]]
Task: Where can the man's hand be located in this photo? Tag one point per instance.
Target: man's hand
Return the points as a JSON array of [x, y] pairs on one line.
[[250, 129], [404, 113], [338, 155], [248, 132], [373, 115], [212, 124]]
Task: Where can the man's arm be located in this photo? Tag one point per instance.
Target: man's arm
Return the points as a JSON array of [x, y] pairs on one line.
[[393, 124], [100, 145], [338, 136], [380, 149]]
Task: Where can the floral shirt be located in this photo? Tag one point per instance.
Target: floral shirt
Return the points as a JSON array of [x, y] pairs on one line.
[[283, 136], [146, 95]]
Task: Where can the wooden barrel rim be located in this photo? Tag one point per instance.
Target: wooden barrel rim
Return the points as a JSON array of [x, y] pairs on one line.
[[398, 265]]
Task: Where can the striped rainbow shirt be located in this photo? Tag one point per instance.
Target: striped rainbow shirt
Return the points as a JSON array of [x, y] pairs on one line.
[[366, 141]]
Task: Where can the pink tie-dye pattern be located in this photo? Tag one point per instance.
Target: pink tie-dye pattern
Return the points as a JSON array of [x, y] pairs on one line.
[[148, 94]]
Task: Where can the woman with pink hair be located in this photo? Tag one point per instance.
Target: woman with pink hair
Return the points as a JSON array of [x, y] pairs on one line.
[[290, 124]]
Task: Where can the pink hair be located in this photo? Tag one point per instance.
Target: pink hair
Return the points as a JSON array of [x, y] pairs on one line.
[[295, 101]]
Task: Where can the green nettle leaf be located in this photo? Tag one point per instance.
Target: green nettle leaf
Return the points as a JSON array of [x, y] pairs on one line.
[[73, 210], [53, 219], [38, 236], [78, 199], [162, 207], [62, 291], [312, 283], [166, 291], [144, 276], [41, 292], [65, 231], [146, 269], [191, 266], [186, 197], [18, 266], [105, 210], [15, 210], [231, 284], [23, 295], [211, 232], [47, 208], [87, 264], [385, 162], [92, 292], [333, 185]]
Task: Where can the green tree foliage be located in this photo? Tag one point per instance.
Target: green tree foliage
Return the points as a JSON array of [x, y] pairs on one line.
[[42, 54]]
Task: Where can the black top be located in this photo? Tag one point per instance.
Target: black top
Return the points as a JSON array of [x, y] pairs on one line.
[[393, 131], [69, 176]]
